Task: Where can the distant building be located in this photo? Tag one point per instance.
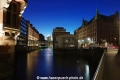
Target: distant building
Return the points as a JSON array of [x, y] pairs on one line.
[[66, 41], [48, 38], [41, 37], [100, 29], [58, 31], [32, 37]]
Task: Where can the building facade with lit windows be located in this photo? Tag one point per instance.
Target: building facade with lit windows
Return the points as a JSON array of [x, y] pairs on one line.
[[99, 29], [28, 39], [10, 16], [32, 37], [57, 32], [66, 41], [21, 43]]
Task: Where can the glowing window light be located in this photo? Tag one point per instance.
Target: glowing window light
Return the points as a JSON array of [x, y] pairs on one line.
[[9, 0], [1, 25], [21, 1], [1, 30]]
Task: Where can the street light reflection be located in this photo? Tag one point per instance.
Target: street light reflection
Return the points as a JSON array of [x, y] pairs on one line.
[[87, 71], [48, 55], [31, 61]]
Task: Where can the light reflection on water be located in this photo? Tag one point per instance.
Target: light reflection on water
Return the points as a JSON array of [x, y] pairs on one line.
[[43, 63], [87, 72]]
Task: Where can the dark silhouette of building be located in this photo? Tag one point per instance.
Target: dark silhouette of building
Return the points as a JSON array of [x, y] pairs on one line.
[[41, 37], [100, 29]]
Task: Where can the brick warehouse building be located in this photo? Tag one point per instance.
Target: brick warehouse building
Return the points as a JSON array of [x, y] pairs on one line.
[[100, 29], [32, 37], [10, 16]]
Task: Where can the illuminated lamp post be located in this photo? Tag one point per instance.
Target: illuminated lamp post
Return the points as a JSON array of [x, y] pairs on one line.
[[88, 40], [115, 41], [79, 42]]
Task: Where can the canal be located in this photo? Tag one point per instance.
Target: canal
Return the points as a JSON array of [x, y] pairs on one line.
[[41, 64]]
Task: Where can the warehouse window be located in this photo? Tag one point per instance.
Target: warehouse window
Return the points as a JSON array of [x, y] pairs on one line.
[[7, 34], [12, 15]]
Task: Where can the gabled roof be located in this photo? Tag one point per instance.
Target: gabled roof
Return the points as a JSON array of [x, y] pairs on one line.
[[97, 17], [85, 22], [104, 17]]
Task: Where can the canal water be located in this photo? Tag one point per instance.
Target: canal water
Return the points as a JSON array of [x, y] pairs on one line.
[[43, 65]]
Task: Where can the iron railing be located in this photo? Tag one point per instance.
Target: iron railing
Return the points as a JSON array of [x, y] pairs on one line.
[[99, 72]]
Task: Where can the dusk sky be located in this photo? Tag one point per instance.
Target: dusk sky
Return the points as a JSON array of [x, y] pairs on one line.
[[48, 14]]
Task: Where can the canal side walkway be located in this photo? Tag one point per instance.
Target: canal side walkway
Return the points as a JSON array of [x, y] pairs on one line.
[[112, 65]]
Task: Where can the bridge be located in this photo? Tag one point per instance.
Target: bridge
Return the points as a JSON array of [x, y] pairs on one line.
[[109, 66], [44, 44]]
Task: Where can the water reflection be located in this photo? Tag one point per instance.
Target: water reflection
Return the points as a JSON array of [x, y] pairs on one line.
[[87, 72], [43, 63], [31, 62]]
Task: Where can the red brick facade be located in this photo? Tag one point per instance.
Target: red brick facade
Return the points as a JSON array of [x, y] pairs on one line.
[[100, 28]]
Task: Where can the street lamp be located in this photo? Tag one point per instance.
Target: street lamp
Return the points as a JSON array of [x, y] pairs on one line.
[[115, 41], [88, 39]]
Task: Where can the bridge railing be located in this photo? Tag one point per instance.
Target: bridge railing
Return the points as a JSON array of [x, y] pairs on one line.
[[99, 72], [45, 42]]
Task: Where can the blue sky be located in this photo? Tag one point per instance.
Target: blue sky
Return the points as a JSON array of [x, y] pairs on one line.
[[48, 14]]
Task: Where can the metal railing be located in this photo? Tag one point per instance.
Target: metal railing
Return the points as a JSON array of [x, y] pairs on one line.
[[99, 72]]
